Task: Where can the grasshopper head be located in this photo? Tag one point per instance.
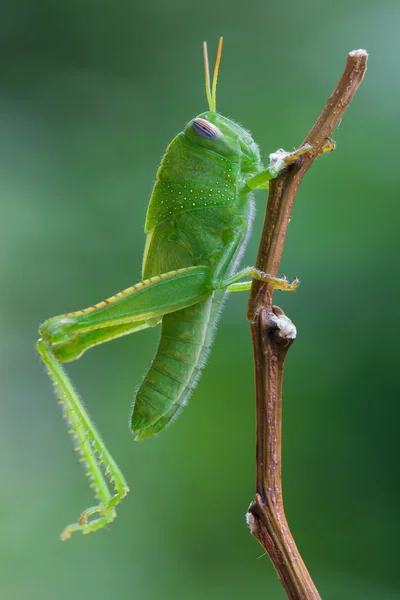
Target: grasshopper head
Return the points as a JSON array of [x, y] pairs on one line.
[[219, 134], [223, 136]]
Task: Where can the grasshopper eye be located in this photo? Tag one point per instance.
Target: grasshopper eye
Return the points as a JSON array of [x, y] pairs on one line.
[[205, 128]]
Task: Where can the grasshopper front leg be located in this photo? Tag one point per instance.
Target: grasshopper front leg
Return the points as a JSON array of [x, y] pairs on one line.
[[235, 283], [279, 161], [66, 337]]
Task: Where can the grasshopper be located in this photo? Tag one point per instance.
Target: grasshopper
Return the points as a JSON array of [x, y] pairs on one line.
[[197, 225]]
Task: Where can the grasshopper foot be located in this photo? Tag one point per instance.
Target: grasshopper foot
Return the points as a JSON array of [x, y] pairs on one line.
[[85, 525]]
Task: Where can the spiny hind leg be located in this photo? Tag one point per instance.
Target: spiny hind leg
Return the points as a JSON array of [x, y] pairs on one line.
[[66, 337], [89, 444], [105, 511], [234, 283]]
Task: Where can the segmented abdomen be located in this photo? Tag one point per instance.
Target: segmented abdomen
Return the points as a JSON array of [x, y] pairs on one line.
[[186, 337]]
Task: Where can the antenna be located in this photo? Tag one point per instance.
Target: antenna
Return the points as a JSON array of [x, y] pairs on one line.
[[212, 94], [207, 74], [215, 78]]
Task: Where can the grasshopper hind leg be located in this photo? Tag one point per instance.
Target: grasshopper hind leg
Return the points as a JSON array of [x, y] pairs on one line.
[[66, 337], [93, 452]]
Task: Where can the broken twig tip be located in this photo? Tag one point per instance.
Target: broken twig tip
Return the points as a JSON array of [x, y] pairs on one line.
[[359, 52]]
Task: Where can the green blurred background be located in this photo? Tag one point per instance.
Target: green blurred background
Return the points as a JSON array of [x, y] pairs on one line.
[[91, 93]]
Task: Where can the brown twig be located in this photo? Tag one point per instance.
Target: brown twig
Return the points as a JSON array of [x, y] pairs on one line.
[[272, 335]]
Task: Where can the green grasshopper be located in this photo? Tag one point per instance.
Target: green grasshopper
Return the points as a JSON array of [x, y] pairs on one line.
[[197, 226]]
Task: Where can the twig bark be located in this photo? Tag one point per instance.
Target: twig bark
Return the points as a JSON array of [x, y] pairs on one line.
[[272, 335]]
